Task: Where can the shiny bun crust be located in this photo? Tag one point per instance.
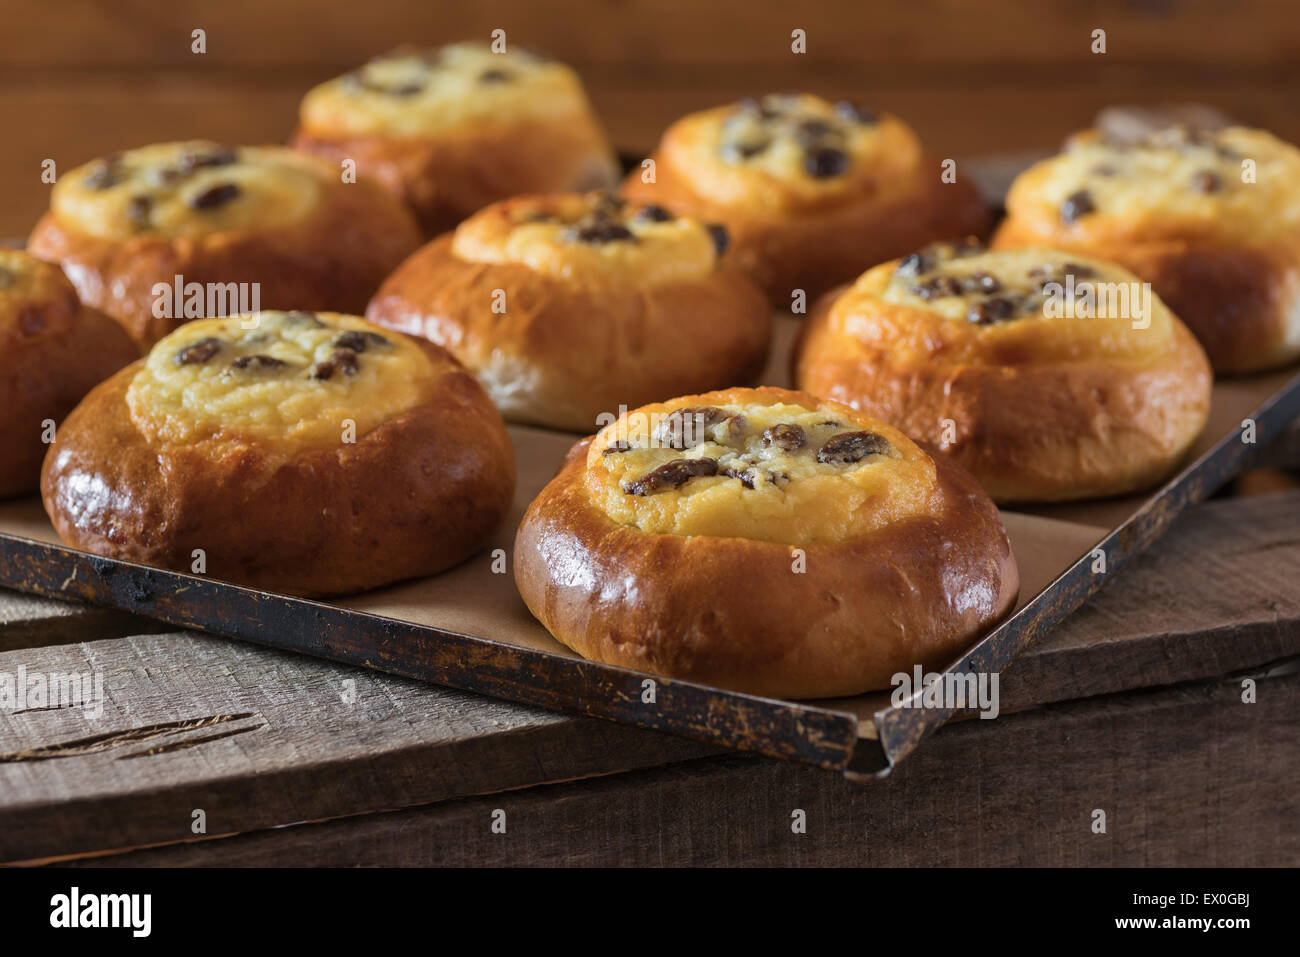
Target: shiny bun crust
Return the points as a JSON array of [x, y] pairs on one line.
[[812, 192], [568, 306], [451, 130], [219, 215], [1040, 401], [757, 553], [305, 453], [1210, 218], [53, 350]]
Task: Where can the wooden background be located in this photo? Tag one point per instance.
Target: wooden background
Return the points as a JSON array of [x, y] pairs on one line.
[[81, 77]]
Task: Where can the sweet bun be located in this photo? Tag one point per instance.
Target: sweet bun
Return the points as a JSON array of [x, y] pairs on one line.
[[568, 306], [1211, 218], [288, 451], [53, 349], [766, 541], [453, 129], [283, 223], [1000, 361], [812, 192]]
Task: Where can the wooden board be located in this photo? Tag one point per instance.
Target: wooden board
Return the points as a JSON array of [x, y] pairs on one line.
[[1216, 596], [1188, 776]]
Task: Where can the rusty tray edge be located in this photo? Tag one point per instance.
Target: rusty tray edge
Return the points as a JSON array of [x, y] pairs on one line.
[[781, 729], [899, 730]]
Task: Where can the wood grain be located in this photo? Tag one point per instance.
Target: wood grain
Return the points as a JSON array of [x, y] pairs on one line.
[[1189, 776], [1215, 596]]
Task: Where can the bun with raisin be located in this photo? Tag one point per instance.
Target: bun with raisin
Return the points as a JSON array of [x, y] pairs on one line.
[[451, 130], [766, 541], [132, 227], [53, 349], [568, 306], [1046, 375], [291, 451], [1211, 218], [812, 192]]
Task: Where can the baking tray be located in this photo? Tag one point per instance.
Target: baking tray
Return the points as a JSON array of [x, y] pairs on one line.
[[468, 628]]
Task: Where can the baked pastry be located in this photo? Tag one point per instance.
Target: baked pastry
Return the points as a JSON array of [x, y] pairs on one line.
[[766, 541], [1047, 376], [1211, 218], [162, 234], [568, 306], [453, 129], [53, 350], [812, 192], [290, 451]]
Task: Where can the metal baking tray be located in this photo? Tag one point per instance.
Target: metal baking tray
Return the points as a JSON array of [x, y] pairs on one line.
[[468, 629]]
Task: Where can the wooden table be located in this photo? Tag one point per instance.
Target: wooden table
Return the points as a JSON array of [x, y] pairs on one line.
[[1138, 712]]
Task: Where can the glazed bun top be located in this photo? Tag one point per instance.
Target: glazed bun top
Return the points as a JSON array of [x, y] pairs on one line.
[[188, 190], [289, 380], [764, 464], [36, 298], [1232, 182], [958, 303], [593, 236], [787, 151], [413, 93]]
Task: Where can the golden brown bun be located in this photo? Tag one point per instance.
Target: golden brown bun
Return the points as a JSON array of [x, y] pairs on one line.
[[310, 240], [917, 588], [1172, 208], [416, 494], [793, 231], [587, 327], [53, 350], [449, 154], [1038, 409]]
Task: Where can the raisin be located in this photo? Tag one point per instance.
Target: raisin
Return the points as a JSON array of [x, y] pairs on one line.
[[938, 287], [214, 196], [138, 211], [617, 448], [104, 173], [672, 474], [746, 149], [813, 132], [495, 76], [991, 310], [855, 112], [914, 265], [688, 427], [258, 362], [340, 359], [786, 436], [221, 156], [849, 447], [1207, 181], [746, 476], [982, 282], [1075, 205], [358, 339], [823, 162], [198, 352], [300, 317], [654, 213], [600, 232], [721, 238]]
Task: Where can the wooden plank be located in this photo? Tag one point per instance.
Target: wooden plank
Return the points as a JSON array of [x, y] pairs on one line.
[[1189, 776], [639, 33], [299, 752], [258, 738], [27, 621]]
